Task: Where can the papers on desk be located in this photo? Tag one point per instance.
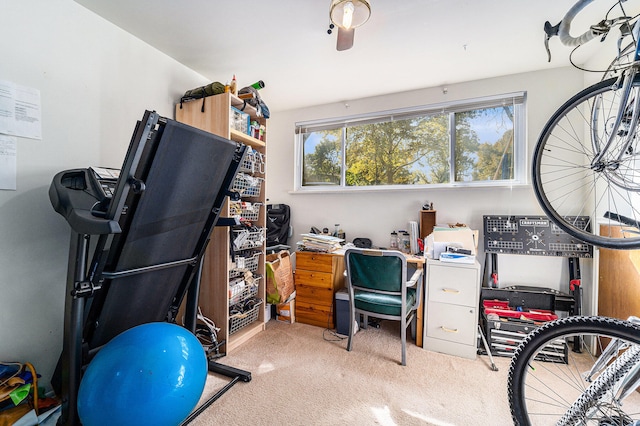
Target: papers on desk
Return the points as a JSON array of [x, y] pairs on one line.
[[441, 238], [320, 242]]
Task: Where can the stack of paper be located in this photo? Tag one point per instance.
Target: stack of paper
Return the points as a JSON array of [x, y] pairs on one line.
[[456, 257], [319, 242]]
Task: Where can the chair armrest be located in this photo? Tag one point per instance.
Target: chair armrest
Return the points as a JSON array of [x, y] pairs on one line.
[[414, 278]]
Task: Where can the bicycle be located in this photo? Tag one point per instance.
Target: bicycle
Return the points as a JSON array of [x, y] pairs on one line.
[[586, 370], [587, 158]]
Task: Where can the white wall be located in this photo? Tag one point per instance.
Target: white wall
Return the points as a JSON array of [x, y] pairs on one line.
[[95, 82], [375, 214]]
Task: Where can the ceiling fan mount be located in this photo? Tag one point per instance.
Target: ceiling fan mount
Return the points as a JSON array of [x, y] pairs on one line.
[[347, 15]]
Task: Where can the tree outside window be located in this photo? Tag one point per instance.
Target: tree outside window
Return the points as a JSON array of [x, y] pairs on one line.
[[414, 149]]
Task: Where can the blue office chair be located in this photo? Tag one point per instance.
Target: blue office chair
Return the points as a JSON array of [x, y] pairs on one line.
[[378, 287]]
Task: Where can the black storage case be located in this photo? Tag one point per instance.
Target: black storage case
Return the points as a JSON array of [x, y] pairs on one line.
[[505, 334]]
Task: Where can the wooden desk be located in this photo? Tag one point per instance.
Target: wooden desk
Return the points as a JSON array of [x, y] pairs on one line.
[[319, 275]]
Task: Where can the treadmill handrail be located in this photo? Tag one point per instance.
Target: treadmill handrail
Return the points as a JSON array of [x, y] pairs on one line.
[[78, 214], [150, 268]]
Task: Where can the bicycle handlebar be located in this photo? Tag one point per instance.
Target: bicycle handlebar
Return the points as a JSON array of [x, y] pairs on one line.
[[565, 26]]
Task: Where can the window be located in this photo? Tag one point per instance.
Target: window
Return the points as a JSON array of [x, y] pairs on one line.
[[477, 142]]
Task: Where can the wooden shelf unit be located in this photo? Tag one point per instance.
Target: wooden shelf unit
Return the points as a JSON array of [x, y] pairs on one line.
[[214, 289], [427, 222]]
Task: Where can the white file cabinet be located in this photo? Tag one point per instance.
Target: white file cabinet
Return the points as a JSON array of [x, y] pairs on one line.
[[451, 308]]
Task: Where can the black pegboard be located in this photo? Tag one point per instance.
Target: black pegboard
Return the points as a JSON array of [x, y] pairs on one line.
[[532, 235]]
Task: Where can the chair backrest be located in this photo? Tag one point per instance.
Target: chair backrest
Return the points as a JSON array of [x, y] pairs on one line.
[[382, 270]]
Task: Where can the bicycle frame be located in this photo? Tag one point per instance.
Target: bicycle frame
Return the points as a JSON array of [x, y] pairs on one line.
[[627, 78], [632, 380]]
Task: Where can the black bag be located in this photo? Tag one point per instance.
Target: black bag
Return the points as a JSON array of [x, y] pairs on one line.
[[278, 217], [362, 243]]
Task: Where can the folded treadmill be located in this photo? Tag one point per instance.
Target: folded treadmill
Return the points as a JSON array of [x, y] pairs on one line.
[[137, 241]]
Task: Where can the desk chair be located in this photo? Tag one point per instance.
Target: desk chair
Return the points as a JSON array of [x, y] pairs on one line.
[[378, 287]]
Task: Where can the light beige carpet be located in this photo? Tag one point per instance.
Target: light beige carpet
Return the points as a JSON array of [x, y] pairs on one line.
[[300, 378]]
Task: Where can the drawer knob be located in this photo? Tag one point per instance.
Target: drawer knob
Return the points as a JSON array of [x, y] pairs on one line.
[[451, 290], [449, 330]]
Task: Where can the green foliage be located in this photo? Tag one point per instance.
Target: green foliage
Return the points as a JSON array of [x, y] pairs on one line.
[[323, 165], [495, 161], [381, 153], [411, 151]]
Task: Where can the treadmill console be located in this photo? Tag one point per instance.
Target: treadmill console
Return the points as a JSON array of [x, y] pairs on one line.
[[104, 181]]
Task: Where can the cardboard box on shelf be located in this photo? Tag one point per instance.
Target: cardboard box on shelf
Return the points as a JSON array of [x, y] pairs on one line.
[[286, 312]]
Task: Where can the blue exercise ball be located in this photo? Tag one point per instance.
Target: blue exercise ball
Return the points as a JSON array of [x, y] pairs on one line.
[[152, 374]]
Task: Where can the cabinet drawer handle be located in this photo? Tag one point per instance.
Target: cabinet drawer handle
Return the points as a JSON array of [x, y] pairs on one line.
[[451, 290], [449, 330]]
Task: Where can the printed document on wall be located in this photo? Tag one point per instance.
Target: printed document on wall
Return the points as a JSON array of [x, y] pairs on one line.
[[20, 111], [8, 150]]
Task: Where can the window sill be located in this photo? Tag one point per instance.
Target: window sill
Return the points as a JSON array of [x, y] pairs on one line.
[[408, 188]]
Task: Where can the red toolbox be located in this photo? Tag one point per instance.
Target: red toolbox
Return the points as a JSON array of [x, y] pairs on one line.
[[502, 309], [510, 315]]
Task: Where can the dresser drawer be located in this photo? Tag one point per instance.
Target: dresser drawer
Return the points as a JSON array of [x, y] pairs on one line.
[[453, 285], [314, 261], [452, 323], [312, 294], [313, 278], [314, 314]]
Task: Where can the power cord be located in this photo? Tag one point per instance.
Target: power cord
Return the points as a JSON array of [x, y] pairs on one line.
[[333, 336]]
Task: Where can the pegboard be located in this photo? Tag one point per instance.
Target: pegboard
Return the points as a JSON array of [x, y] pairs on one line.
[[533, 235]]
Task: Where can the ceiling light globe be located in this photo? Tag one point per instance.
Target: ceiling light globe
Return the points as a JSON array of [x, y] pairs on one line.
[[349, 13]]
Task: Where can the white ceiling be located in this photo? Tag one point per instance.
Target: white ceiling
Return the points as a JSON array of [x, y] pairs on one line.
[[405, 45]]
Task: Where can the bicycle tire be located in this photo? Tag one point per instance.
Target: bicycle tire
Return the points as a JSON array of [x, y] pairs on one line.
[[543, 387], [566, 185]]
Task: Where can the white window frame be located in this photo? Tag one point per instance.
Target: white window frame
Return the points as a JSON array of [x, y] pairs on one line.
[[518, 99]]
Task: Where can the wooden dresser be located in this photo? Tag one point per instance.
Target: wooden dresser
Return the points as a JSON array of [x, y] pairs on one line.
[[317, 276]]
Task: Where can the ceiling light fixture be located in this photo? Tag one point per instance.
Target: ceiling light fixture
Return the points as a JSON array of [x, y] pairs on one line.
[[349, 14]]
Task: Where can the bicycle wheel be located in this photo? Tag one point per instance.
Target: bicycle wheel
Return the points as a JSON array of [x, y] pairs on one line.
[[578, 193], [548, 382]]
